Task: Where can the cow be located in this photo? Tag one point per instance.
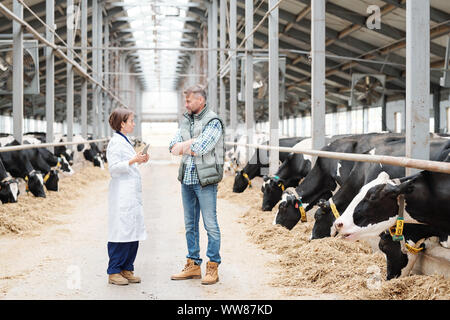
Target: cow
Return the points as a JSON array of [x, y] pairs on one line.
[[83, 150], [60, 151], [400, 260], [236, 157], [9, 187], [326, 175], [376, 207], [50, 176], [295, 167], [259, 160], [51, 159], [18, 164], [361, 174]]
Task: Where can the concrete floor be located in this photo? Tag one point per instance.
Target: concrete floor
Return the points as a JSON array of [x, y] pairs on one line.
[[68, 259]]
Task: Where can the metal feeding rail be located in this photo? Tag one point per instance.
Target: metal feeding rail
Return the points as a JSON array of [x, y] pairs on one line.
[[436, 166]]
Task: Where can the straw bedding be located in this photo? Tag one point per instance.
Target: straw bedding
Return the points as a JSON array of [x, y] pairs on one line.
[[30, 213], [348, 270]]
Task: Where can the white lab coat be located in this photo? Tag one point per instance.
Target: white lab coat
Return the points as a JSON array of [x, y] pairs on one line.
[[126, 219]]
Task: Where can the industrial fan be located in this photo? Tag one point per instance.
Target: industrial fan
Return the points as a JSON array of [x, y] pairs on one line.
[[261, 77], [30, 67], [367, 90]]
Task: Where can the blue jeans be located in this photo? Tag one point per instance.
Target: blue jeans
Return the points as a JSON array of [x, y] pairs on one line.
[[195, 199]]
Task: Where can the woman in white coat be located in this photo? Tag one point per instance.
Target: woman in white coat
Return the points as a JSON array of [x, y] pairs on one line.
[[125, 221]]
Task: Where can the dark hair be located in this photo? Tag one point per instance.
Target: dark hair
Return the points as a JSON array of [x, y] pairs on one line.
[[118, 116]]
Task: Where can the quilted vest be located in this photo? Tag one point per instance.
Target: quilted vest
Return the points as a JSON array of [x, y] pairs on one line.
[[210, 165]]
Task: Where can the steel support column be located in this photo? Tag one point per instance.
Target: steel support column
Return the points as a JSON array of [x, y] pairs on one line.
[[94, 111], [213, 79], [233, 69], [273, 87], [84, 127], [223, 36], [49, 73], [417, 87], [70, 76], [99, 53], [17, 96], [318, 74], [249, 118], [107, 101]]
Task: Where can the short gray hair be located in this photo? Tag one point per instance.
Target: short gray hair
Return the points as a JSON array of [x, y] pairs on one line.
[[197, 89]]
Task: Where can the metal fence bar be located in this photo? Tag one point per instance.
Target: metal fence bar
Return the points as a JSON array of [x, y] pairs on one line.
[[435, 166], [45, 145]]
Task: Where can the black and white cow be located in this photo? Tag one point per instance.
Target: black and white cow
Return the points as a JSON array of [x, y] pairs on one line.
[[258, 161], [325, 177], [59, 163], [400, 261], [375, 208], [9, 187], [50, 176], [361, 174], [18, 164], [86, 151], [60, 151], [294, 168], [236, 156]]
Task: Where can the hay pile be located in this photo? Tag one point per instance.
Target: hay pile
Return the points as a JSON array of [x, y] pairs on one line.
[[350, 270], [30, 212]]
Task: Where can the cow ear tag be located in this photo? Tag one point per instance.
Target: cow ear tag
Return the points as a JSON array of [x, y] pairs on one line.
[[302, 211], [398, 235]]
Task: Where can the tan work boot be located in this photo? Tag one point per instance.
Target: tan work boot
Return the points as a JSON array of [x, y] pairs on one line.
[[130, 276], [116, 278], [212, 273], [190, 271]]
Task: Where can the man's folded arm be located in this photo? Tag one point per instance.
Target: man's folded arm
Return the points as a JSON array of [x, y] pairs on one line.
[[207, 140]]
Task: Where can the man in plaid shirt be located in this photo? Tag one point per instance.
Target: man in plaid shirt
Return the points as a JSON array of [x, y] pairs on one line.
[[199, 137]]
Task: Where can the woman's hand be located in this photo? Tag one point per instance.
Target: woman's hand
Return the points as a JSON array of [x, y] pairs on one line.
[[139, 158]]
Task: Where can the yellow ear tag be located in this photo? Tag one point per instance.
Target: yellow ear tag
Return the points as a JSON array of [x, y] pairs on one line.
[[302, 211], [412, 249], [248, 180], [398, 236], [334, 210]]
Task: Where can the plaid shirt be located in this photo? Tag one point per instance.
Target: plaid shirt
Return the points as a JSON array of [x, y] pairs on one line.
[[203, 144]]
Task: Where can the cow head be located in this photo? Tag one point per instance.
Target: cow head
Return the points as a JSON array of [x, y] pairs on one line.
[[273, 189], [9, 190], [373, 210], [324, 218], [288, 213], [288, 207], [98, 161], [94, 157], [51, 180], [240, 182], [35, 184], [64, 151], [64, 165], [396, 260]]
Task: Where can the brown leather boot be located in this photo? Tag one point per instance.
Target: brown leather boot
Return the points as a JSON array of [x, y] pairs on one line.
[[117, 278], [130, 276], [190, 271], [212, 273]]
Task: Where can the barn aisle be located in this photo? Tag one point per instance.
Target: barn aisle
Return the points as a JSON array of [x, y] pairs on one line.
[[68, 259]]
